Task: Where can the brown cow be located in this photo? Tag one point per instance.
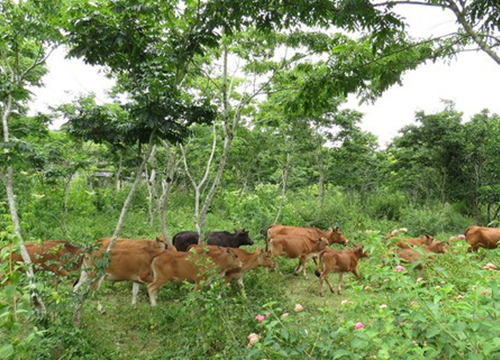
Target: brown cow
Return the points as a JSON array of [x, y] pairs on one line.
[[130, 260], [191, 266], [302, 240], [297, 247], [250, 261], [480, 236], [132, 264], [340, 261], [423, 240], [57, 256], [159, 242], [411, 255]]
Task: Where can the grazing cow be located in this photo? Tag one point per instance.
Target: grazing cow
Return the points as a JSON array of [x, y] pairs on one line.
[[130, 260], [423, 240], [250, 261], [191, 266], [184, 239], [302, 241], [57, 256], [125, 264], [340, 261], [411, 255], [480, 236]]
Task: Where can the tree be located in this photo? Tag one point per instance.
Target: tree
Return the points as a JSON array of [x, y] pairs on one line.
[[29, 33], [478, 21]]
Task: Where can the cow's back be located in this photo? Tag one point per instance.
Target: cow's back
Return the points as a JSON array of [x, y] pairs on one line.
[[182, 240], [483, 236]]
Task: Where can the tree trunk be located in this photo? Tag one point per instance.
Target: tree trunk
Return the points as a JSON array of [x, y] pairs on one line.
[[8, 181], [284, 182], [77, 314]]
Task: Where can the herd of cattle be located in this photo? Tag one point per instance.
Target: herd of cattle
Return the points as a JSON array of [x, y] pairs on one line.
[[155, 263]]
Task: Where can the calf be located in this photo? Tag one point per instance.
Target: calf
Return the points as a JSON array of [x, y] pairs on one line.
[[297, 247], [410, 255], [340, 261], [57, 256], [191, 266], [423, 240], [249, 261], [480, 236]]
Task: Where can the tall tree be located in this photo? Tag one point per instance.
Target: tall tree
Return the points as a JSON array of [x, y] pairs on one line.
[[29, 33]]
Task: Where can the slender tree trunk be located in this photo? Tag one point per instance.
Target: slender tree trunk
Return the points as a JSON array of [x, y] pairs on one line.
[[77, 314], [67, 188], [151, 183], [168, 178], [284, 182], [8, 181], [199, 220]]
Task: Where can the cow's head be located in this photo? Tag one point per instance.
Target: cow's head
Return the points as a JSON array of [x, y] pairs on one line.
[[264, 258], [243, 237], [334, 235], [358, 250]]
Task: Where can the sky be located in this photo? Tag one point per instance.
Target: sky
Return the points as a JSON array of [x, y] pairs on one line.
[[471, 81]]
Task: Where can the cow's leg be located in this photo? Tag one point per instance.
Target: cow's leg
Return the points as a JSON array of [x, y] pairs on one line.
[[242, 287], [339, 288], [325, 279], [135, 292], [96, 287]]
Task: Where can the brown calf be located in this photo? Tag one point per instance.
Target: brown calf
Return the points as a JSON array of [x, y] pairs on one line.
[[191, 266], [297, 247], [340, 261], [421, 241], [249, 262], [412, 255]]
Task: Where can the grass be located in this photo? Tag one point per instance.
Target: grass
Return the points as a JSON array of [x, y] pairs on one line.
[[185, 324]]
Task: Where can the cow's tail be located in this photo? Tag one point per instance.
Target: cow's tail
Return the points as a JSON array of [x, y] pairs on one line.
[[318, 271]]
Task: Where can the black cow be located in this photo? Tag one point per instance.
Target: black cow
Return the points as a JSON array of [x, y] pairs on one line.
[[225, 238], [184, 239]]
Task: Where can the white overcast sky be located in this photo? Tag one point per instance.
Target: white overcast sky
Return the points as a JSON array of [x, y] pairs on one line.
[[471, 81]]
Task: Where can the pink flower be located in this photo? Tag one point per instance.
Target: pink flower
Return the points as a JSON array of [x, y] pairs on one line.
[[298, 307], [260, 318], [359, 325], [253, 338], [489, 266], [485, 292], [285, 315], [414, 303], [452, 239], [399, 268], [462, 237]]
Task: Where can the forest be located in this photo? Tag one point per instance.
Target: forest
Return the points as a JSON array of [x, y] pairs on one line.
[[230, 115]]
